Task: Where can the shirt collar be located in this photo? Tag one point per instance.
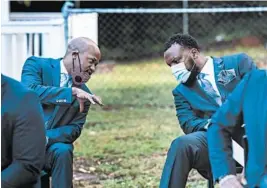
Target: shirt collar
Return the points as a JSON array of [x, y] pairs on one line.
[[208, 66], [62, 67]]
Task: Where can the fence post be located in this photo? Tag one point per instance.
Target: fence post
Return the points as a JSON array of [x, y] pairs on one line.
[[65, 13], [185, 18]]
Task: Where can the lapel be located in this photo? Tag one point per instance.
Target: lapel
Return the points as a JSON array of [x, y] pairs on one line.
[[55, 64], [197, 93], [218, 67], [83, 87]]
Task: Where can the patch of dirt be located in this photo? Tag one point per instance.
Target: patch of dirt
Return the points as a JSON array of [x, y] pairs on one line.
[[87, 175], [84, 173], [87, 169], [195, 176], [81, 176]]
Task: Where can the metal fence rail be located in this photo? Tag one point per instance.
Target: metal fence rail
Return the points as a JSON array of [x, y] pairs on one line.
[[136, 33], [165, 10]]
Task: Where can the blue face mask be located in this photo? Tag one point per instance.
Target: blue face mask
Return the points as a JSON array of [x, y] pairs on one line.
[[180, 72]]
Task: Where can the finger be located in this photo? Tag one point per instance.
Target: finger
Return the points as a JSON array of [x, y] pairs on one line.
[[90, 98], [97, 100], [81, 106], [236, 184], [100, 104], [239, 185]]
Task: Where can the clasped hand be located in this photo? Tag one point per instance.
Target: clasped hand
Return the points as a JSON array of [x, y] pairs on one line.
[[230, 181]]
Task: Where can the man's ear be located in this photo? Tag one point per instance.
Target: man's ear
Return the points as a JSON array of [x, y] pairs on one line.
[[195, 53], [74, 54]]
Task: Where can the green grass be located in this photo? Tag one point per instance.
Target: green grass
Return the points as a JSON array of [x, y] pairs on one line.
[[125, 143], [135, 84]]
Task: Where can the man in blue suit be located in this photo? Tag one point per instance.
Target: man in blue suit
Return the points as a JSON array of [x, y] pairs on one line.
[[60, 85], [205, 83], [22, 135], [249, 103]]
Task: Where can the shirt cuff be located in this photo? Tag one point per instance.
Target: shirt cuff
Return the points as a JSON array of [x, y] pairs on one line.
[[47, 139], [207, 124]]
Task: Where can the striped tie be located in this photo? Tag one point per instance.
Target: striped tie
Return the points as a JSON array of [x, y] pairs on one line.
[[207, 86]]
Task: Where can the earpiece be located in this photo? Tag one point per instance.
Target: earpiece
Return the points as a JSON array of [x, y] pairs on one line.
[[77, 79]]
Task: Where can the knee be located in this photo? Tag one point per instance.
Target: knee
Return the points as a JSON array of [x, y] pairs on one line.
[[63, 151], [181, 144]]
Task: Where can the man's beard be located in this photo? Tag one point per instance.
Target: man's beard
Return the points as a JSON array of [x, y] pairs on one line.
[[194, 72], [192, 78]]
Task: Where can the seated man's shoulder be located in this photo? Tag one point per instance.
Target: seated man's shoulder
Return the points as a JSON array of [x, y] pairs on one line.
[[236, 56], [16, 92], [39, 59], [12, 85]]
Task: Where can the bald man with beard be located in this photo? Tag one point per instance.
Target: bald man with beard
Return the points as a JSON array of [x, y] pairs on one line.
[[60, 85]]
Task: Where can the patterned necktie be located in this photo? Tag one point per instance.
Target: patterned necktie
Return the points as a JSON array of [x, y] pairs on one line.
[[207, 86], [65, 80]]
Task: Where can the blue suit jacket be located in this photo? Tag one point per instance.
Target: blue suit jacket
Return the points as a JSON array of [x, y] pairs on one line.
[[249, 101], [22, 135], [42, 75], [194, 107]]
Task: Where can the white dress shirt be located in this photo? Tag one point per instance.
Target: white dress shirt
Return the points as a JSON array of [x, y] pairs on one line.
[[63, 70], [62, 67], [208, 70]]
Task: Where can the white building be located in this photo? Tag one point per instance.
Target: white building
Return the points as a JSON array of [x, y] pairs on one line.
[[38, 34]]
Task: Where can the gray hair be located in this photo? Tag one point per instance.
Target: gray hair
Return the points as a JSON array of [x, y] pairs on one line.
[[80, 44]]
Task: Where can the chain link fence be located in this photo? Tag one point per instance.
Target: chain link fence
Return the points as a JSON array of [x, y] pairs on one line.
[[136, 36]]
